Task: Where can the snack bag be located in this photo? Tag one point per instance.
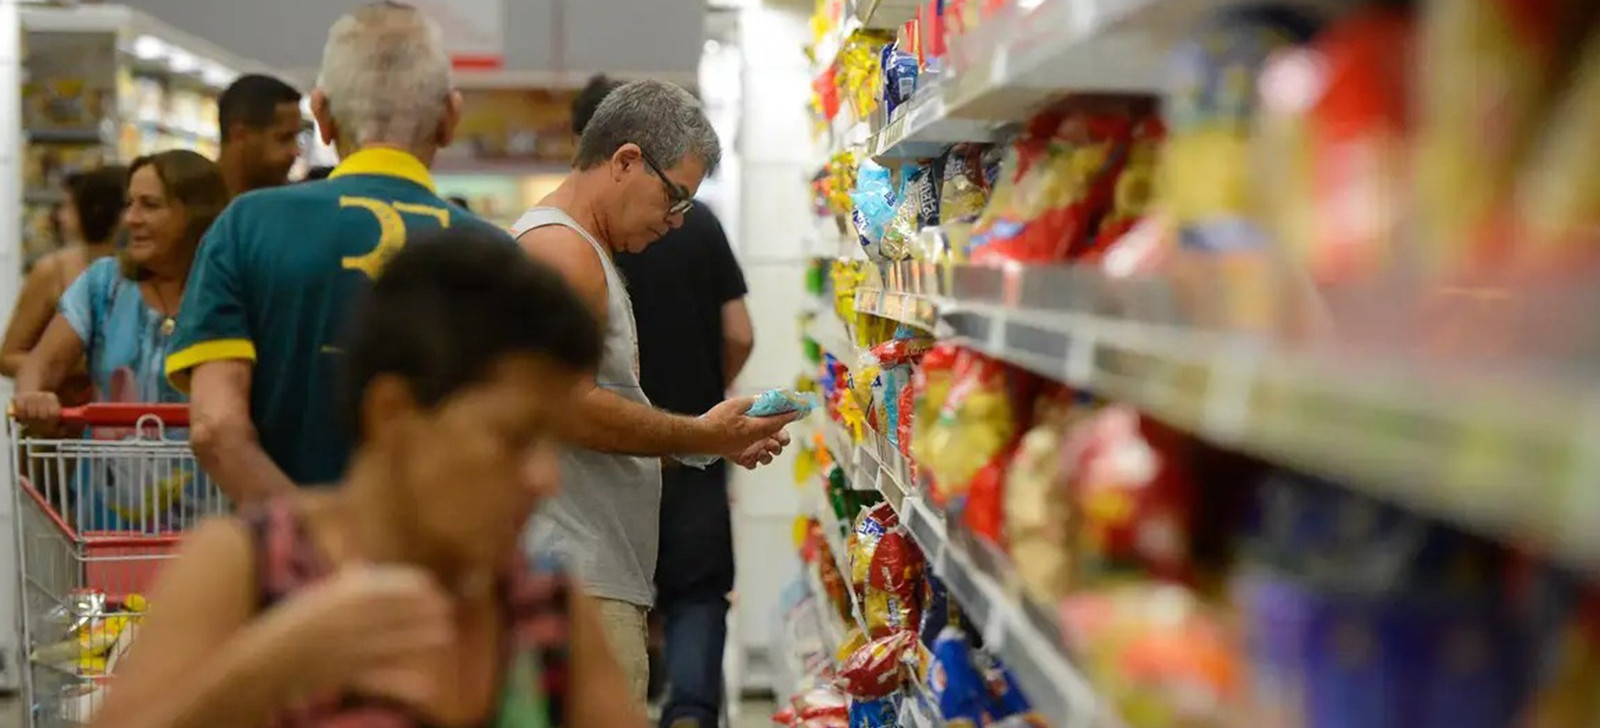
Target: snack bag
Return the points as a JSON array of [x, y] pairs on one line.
[[965, 189], [869, 531], [1558, 194], [889, 596], [938, 610], [956, 686], [775, 402], [983, 510], [1037, 510], [1061, 176], [1156, 656], [977, 423], [874, 207], [1134, 190], [874, 670], [1490, 67], [1205, 182], [1133, 496], [854, 640], [874, 713], [899, 78], [900, 235]]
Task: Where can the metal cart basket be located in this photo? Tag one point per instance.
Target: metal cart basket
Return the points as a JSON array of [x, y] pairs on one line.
[[97, 515]]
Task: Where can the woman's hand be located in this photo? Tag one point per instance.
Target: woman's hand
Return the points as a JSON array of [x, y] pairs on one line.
[[36, 408], [366, 622]]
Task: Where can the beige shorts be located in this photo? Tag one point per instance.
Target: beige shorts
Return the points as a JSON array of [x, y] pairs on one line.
[[628, 632]]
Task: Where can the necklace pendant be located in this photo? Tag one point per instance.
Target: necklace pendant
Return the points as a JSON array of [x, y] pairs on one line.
[[168, 325]]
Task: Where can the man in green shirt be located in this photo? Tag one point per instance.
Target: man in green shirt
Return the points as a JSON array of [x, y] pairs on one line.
[[257, 343]]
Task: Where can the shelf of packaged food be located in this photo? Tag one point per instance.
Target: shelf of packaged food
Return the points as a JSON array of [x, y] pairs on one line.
[[148, 43], [1506, 455], [1019, 634], [911, 309]]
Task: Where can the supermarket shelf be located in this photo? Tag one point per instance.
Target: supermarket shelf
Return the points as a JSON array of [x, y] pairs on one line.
[[884, 14], [151, 42], [908, 308], [1021, 637], [1509, 456], [66, 136], [923, 128]]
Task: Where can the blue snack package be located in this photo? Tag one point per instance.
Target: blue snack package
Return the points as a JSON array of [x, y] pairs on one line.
[[873, 200], [935, 609], [875, 713], [1005, 696], [782, 401], [956, 685], [899, 77]]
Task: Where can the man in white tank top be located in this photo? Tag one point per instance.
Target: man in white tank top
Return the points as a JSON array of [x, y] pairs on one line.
[[639, 162]]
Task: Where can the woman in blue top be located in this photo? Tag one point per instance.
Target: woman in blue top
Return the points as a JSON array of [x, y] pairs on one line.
[[120, 314]]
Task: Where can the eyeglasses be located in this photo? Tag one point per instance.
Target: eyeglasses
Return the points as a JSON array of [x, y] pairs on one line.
[[678, 199]]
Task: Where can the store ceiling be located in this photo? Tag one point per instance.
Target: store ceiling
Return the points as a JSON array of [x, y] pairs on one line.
[[630, 37]]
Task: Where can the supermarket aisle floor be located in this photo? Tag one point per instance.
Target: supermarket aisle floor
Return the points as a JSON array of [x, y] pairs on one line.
[[754, 714]]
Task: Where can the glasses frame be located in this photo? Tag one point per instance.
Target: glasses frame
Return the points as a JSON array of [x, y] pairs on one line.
[[679, 201]]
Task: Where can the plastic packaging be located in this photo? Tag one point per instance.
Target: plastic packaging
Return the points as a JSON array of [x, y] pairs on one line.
[[957, 687], [782, 401], [874, 670], [899, 78], [1133, 496], [874, 713], [873, 199]]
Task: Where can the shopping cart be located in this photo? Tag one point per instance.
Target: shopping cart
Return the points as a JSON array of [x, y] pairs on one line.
[[96, 518]]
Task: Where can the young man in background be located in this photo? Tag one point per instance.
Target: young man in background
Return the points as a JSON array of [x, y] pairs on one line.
[[259, 118], [694, 338]]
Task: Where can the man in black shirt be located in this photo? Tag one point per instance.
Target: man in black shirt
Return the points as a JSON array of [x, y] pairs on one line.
[[694, 337]]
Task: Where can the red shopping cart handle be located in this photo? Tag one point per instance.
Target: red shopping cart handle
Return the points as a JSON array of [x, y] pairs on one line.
[[126, 415]]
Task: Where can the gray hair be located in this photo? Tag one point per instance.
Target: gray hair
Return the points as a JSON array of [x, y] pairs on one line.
[[386, 75], [663, 119]]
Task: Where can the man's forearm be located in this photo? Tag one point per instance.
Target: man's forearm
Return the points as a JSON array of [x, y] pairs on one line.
[[244, 472], [608, 423]]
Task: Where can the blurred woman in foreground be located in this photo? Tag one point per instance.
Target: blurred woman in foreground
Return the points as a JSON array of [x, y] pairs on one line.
[[398, 598]]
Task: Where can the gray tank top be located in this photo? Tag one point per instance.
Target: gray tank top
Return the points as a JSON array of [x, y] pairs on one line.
[[605, 520]]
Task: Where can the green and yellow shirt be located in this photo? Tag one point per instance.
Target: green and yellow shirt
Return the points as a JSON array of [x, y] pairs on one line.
[[272, 284]]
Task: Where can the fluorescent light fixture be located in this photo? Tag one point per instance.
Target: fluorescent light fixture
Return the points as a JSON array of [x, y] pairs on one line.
[[149, 48], [182, 62], [217, 75]]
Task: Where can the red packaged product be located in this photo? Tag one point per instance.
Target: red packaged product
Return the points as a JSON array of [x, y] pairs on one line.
[[984, 511], [1059, 182], [891, 601], [895, 352], [1133, 190], [1132, 496], [874, 670]]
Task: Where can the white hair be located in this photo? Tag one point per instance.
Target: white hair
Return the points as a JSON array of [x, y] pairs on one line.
[[386, 75]]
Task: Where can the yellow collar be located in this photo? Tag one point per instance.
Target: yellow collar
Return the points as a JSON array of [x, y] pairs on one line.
[[387, 162]]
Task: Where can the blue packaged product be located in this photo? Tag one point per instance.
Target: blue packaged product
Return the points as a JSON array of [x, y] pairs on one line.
[[955, 684], [899, 77], [873, 201], [876, 713], [1276, 615], [1005, 696], [935, 609], [1364, 661], [782, 401], [1473, 669]]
